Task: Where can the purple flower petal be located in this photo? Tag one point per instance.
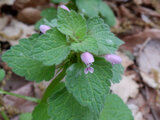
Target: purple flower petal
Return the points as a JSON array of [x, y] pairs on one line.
[[112, 58], [44, 28], [64, 7], [91, 70], [86, 70], [87, 58]]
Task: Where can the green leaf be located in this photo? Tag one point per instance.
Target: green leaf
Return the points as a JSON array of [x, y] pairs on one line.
[[60, 1], [41, 110], [20, 60], [115, 109], [54, 86], [107, 42], [90, 89], [51, 48], [63, 106], [117, 73], [48, 18], [49, 13], [88, 44], [2, 74], [52, 23], [25, 116], [88, 7], [71, 23], [107, 14]]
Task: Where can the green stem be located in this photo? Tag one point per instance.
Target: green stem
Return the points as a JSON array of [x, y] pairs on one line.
[[20, 96], [4, 115], [53, 84]]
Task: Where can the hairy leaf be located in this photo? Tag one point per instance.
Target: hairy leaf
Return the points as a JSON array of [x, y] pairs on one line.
[[88, 44], [41, 110], [115, 109], [49, 13], [48, 18], [20, 60], [60, 1], [107, 42], [117, 72], [51, 48], [44, 21], [25, 116], [71, 23], [63, 106], [90, 89], [88, 7], [107, 14], [2, 74]]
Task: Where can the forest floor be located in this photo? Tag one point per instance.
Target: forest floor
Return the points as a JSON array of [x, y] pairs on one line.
[[138, 24]]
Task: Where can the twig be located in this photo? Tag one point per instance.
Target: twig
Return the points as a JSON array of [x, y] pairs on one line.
[[4, 115], [20, 96]]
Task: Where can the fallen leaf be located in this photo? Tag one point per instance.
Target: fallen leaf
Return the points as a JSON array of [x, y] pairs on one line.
[[125, 60], [135, 112], [8, 2], [148, 57], [139, 38], [15, 31], [21, 4], [138, 2], [29, 15], [3, 22], [148, 11], [149, 80], [18, 103], [127, 88]]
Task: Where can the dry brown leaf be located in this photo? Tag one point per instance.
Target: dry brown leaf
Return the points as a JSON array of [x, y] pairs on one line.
[[139, 105], [127, 88], [16, 30], [125, 60], [20, 4], [148, 11], [138, 2], [135, 112], [29, 15], [139, 38], [8, 2], [21, 104], [126, 13], [148, 57], [149, 80], [3, 22]]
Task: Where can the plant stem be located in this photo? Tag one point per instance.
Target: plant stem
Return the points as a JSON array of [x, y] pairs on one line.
[[20, 96], [4, 115], [51, 86]]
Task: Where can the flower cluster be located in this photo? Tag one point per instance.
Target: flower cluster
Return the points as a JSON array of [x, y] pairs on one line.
[[45, 28], [88, 59]]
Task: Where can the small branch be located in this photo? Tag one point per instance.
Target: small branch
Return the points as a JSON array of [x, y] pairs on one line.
[[4, 115], [20, 96]]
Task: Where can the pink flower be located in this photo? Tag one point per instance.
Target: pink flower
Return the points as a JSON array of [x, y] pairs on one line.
[[44, 28], [88, 59], [64, 7], [88, 69], [112, 58]]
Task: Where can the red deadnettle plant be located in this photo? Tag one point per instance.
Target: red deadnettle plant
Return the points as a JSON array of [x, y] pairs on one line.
[[83, 54]]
